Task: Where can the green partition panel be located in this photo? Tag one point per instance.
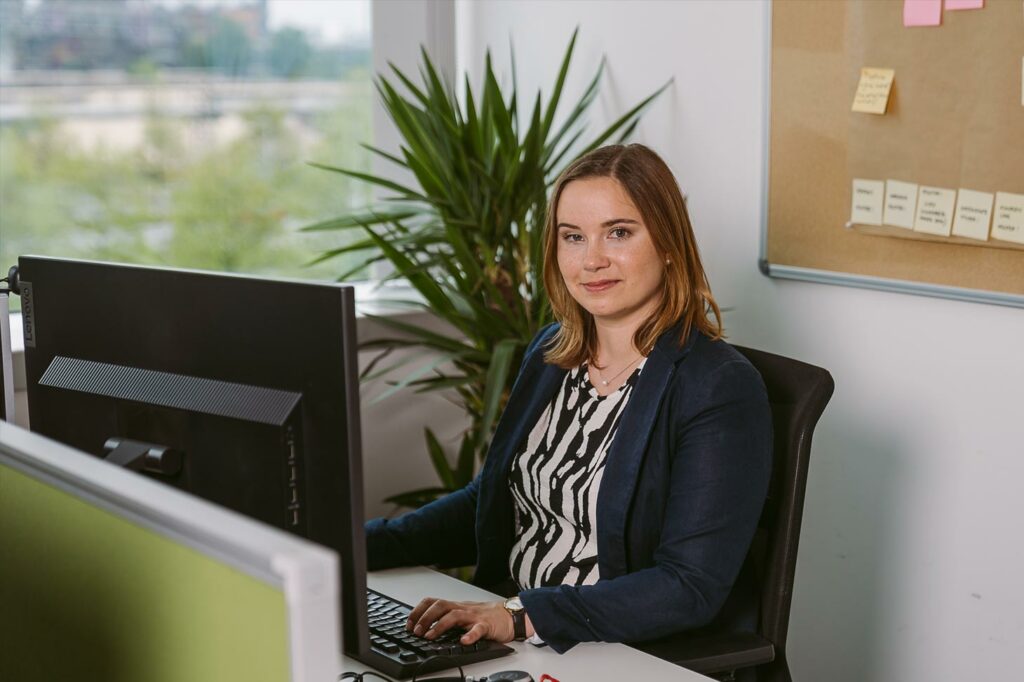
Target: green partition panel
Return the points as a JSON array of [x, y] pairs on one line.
[[86, 595]]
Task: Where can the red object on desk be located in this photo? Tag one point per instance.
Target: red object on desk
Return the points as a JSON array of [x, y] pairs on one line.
[[547, 678]]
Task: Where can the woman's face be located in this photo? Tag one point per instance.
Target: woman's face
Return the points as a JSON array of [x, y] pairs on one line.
[[605, 252]]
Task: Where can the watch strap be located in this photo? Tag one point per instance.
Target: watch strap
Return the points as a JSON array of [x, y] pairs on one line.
[[518, 614], [519, 625]]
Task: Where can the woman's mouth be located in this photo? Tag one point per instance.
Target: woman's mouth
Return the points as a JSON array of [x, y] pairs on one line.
[[600, 285]]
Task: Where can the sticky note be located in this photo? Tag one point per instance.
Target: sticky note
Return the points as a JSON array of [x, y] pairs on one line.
[[934, 210], [964, 4], [922, 12], [872, 96], [1008, 217], [973, 214], [900, 204], [868, 197]]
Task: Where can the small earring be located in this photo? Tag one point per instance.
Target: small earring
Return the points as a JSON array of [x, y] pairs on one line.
[[668, 262]]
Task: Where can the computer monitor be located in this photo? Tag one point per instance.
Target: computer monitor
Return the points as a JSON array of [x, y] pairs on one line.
[[243, 391], [108, 576]]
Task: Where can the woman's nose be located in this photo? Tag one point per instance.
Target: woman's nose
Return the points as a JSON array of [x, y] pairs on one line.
[[595, 258]]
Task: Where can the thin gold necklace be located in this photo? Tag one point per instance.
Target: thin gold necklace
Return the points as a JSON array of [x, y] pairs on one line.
[[605, 382]]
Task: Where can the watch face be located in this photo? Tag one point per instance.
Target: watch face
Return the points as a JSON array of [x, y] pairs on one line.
[[513, 604]]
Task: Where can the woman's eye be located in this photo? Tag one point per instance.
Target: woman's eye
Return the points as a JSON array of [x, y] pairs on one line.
[[620, 233], [572, 237]]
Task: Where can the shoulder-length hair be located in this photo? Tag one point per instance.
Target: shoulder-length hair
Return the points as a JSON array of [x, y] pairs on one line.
[[687, 297]]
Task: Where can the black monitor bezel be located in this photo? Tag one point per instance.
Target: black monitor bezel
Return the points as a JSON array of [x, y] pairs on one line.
[[328, 307]]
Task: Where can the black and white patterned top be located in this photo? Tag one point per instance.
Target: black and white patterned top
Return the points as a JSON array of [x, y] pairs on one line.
[[555, 479]]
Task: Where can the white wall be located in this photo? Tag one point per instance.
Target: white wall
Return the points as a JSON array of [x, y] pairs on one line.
[[911, 552], [394, 451]]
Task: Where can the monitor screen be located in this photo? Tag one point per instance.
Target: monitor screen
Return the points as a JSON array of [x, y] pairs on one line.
[[107, 576], [241, 390]]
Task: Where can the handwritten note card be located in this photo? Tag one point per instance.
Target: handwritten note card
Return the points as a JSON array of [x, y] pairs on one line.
[[872, 95], [900, 204], [868, 197], [922, 12], [935, 210], [973, 214], [1008, 221]]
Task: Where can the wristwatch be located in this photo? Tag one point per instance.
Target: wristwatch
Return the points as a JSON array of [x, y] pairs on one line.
[[518, 613]]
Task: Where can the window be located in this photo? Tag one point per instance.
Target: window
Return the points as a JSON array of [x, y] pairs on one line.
[[176, 132]]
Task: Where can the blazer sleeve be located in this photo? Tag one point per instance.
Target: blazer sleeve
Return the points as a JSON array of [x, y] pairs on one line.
[[441, 533], [721, 464]]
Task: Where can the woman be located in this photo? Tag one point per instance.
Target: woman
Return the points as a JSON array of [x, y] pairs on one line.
[[625, 479]]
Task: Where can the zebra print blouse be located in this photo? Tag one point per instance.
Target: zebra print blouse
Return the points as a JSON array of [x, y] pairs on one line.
[[555, 479]]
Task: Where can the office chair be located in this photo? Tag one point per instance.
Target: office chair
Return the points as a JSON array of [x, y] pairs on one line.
[[798, 393]]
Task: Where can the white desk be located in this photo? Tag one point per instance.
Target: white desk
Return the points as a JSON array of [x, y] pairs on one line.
[[589, 662]]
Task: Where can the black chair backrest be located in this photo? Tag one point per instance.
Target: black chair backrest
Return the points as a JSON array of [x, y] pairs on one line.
[[798, 393]]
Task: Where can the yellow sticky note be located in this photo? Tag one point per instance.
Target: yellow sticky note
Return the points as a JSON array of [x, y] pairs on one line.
[[1008, 217], [935, 210], [872, 95], [973, 214]]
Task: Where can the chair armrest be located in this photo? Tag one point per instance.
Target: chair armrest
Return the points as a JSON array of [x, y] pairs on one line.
[[712, 653]]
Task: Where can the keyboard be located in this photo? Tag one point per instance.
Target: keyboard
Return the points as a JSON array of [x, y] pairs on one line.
[[400, 653]]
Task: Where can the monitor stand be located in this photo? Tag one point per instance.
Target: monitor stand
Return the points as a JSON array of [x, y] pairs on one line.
[[139, 456]]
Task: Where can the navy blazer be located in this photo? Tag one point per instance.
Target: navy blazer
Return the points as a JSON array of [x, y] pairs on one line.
[[684, 483]]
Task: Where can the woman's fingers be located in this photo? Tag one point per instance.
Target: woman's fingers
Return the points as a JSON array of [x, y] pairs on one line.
[[432, 614], [433, 617], [418, 611], [447, 622], [474, 634]]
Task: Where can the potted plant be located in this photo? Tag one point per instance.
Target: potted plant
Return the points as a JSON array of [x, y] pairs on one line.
[[467, 237]]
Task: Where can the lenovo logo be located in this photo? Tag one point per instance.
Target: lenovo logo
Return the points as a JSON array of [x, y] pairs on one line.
[[26, 314]]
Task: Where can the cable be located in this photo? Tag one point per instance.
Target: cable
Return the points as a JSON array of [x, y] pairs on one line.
[[13, 281], [360, 677]]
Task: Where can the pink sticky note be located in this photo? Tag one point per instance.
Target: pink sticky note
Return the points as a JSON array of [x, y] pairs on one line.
[[964, 4], [922, 12]]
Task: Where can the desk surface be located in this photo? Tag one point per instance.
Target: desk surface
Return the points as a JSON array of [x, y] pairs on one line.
[[590, 662]]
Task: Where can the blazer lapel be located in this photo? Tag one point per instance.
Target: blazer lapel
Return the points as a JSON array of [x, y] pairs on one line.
[[626, 453]]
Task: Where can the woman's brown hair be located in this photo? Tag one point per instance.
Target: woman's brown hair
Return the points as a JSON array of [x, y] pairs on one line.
[[653, 189]]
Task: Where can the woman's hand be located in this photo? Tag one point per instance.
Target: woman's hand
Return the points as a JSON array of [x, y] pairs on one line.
[[481, 620]]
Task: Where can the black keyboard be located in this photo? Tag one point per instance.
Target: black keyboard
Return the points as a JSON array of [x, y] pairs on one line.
[[402, 654]]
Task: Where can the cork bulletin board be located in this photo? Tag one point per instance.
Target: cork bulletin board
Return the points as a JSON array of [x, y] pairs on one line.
[[955, 119]]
